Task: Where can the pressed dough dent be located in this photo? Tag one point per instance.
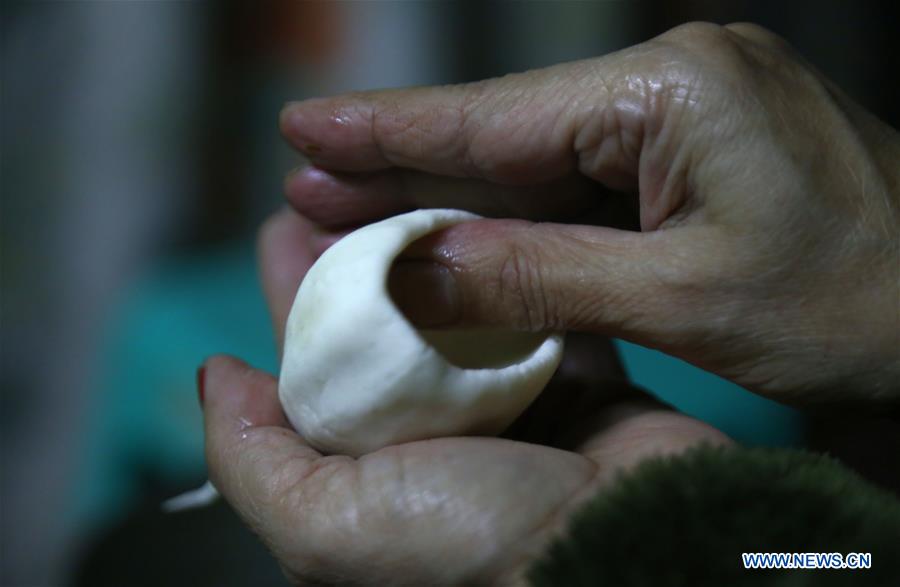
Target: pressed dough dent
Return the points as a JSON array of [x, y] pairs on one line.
[[483, 348], [357, 376]]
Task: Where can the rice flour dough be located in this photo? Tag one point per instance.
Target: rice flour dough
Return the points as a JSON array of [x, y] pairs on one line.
[[356, 375]]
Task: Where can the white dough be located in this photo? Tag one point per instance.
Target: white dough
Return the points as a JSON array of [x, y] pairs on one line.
[[357, 376], [203, 496]]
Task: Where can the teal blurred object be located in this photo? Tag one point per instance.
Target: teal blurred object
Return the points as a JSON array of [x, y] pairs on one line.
[[147, 420], [745, 417]]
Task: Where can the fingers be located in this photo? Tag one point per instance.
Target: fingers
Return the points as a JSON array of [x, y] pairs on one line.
[[511, 130], [522, 146], [337, 200], [632, 431], [552, 277]]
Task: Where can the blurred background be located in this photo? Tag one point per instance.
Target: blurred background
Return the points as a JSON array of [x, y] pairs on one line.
[[140, 153]]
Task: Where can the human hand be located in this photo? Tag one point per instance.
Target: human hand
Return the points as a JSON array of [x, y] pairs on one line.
[[769, 204], [440, 512]]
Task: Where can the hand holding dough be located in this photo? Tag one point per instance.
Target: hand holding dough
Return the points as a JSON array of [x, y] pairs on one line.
[[357, 376]]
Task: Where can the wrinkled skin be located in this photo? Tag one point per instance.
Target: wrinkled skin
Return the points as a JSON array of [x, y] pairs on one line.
[[769, 204], [769, 254]]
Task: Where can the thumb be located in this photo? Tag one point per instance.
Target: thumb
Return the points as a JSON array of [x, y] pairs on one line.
[[253, 455], [541, 277]]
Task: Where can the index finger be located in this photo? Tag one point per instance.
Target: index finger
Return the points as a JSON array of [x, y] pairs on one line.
[[516, 129]]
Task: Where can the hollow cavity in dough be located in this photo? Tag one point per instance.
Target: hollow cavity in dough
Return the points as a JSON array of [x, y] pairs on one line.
[[356, 375]]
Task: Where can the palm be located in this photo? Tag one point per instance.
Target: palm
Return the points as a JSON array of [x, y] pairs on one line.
[[446, 511]]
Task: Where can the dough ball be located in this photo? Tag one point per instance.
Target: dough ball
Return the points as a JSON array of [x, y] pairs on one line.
[[357, 375]]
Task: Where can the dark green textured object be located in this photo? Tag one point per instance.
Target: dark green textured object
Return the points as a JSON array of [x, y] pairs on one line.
[[686, 521]]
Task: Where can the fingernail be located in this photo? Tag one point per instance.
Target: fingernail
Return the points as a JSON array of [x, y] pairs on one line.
[[425, 292], [291, 122], [201, 383], [287, 114], [294, 178]]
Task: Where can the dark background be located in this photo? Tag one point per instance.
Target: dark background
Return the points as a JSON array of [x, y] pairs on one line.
[[135, 134]]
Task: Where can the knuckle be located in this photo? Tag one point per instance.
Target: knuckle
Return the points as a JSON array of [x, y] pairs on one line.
[[424, 127], [390, 126], [521, 289], [737, 51], [761, 35], [528, 110], [698, 34], [469, 110], [737, 63], [710, 46], [492, 117]]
